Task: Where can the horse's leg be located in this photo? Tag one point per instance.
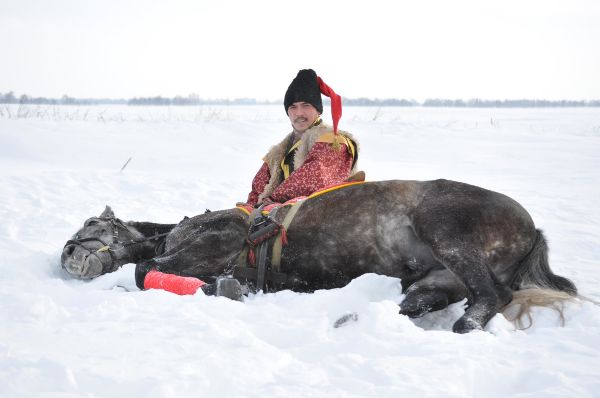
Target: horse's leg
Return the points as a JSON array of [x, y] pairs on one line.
[[173, 262], [486, 295], [177, 262], [432, 293], [141, 270]]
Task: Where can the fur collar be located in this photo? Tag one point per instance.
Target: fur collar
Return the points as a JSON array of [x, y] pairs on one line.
[[276, 154]]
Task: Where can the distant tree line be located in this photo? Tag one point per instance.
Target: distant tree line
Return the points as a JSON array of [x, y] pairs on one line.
[[520, 103], [194, 99], [10, 98]]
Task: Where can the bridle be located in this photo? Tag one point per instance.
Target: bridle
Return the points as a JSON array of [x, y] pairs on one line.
[[113, 247]]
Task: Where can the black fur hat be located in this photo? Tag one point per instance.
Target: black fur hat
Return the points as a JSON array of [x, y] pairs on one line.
[[304, 88]]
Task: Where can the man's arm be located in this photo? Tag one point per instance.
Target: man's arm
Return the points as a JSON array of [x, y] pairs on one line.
[[260, 181]]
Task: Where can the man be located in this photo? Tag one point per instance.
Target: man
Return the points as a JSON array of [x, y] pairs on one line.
[[314, 155]]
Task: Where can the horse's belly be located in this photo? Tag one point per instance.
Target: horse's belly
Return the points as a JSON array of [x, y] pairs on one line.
[[325, 260]]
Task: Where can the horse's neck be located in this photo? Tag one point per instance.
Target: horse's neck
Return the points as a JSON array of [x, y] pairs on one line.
[[148, 249]]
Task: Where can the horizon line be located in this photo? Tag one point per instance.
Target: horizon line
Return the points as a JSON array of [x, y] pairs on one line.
[[195, 99]]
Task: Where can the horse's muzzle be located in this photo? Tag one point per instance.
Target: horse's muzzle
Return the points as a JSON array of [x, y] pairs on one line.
[[80, 265]]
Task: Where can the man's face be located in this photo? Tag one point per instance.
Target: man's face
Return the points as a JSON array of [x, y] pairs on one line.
[[302, 115]]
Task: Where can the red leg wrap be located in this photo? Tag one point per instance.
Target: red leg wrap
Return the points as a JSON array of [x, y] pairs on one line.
[[181, 285]]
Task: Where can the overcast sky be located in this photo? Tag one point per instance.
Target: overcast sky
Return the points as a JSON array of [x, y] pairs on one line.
[[503, 49]]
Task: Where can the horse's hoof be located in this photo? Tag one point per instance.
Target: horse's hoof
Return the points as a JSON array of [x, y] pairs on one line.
[[421, 300], [466, 325], [412, 312], [230, 288]]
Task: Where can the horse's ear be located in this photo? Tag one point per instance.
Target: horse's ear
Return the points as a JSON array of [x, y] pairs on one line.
[[107, 213]]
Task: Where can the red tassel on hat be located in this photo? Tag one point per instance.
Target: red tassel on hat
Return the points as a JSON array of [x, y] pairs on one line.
[[336, 102]]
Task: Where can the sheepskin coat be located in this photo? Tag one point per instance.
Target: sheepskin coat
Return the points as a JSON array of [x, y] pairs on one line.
[[317, 163]]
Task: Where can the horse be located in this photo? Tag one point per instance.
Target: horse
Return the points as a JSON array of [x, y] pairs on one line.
[[105, 243], [445, 241]]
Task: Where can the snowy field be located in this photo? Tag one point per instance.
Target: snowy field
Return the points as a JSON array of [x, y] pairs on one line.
[[68, 338]]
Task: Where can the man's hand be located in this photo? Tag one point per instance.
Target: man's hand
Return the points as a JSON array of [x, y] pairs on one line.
[[266, 201]]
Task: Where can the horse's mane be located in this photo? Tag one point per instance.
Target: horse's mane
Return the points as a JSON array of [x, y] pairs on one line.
[[150, 228]]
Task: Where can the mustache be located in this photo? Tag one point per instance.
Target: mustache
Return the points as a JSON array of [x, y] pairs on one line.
[[300, 119]]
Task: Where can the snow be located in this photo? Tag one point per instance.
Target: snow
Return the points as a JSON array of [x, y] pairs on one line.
[[62, 337]]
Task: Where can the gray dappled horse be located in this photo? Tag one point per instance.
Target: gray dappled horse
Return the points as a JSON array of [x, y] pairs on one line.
[[445, 240]]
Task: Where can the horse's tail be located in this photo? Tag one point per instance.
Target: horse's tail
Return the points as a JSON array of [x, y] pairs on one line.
[[534, 271], [535, 285], [523, 300]]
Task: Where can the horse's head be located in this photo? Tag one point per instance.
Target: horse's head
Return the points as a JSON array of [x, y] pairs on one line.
[[97, 248]]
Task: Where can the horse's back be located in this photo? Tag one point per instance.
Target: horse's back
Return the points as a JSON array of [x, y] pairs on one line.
[[464, 206]]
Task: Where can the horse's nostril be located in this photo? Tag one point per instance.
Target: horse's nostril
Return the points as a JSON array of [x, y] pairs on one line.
[[68, 250]]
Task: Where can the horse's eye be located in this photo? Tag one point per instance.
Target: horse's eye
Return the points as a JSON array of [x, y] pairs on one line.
[[91, 222]]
